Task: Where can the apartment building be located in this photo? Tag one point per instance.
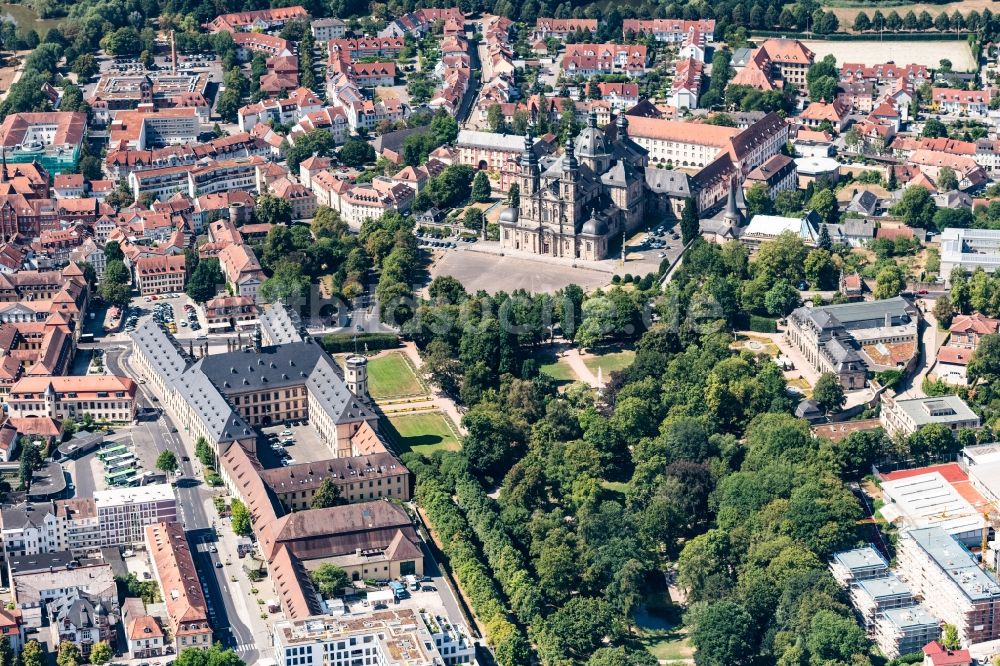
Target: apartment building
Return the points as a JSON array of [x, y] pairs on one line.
[[145, 128], [177, 577], [37, 579], [968, 102], [248, 43], [358, 478], [905, 417], [161, 274], [555, 28], [261, 19], [242, 270], [161, 183], [124, 513], [970, 249], [953, 586], [775, 64], [106, 398], [858, 564], [902, 631], [225, 175], [668, 30], [876, 595], [686, 86], [590, 59], [325, 29], [382, 637]]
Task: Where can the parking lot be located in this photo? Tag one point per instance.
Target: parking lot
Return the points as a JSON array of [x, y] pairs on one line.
[[175, 312], [292, 444]]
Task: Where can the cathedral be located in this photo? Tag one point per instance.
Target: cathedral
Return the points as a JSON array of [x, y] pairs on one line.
[[578, 204]]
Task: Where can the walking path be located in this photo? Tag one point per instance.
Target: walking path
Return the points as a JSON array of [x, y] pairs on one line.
[[437, 398], [579, 368]]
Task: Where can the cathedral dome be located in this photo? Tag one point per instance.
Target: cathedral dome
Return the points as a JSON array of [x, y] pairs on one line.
[[594, 227], [591, 143]]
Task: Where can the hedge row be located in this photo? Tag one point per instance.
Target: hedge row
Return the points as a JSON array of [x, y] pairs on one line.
[[340, 343], [918, 36], [509, 642], [505, 560], [763, 324]]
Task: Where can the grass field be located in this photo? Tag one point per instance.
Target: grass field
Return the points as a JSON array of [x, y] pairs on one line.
[[391, 376], [872, 52], [555, 367], [422, 433], [610, 362]]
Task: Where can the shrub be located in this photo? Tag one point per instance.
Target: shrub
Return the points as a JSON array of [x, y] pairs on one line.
[[763, 324], [344, 342]]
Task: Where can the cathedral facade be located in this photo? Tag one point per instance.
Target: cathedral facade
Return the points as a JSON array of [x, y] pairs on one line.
[[577, 204]]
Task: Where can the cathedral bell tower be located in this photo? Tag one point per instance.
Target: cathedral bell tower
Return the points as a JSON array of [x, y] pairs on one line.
[[529, 167], [570, 175]]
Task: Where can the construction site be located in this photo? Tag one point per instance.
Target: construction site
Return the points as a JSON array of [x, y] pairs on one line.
[[944, 564]]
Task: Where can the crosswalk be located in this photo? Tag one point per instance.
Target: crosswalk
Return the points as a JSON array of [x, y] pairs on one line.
[[246, 647]]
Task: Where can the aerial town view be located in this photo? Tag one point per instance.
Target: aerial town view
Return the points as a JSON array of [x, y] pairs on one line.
[[509, 333]]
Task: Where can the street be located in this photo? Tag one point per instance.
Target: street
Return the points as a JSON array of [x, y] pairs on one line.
[[231, 628]]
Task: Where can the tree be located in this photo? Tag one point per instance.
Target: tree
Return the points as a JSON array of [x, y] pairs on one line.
[[824, 242], [949, 638], [31, 458], [829, 393], [113, 251], [577, 628], [205, 280], [834, 638], [984, 366], [69, 654], [213, 656], [820, 270], [85, 66], [689, 221], [481, 189], [862, 23], [821, 79], [724, 635], [824, 202], [781, 298], [494, 117], [889, 282], [944, 311], [947, 180], [758, 200], [327, 495], [356, 153], [271, 209], [473, 219], [330, 580], [933, 129], [240, 518], [621, 656], [514, 196], [167, 462], [916, 207], [101, 653], [32, 654], [491, 440], [286, 283]]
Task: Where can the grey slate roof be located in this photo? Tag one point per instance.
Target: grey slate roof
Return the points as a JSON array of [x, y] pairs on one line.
[[150, 339], [279, 325], [864, 202], [333, 396], [668, 181], [26, 514]]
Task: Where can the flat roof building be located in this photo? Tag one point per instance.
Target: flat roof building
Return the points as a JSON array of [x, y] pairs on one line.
[[858, 564], [53, 138], [929, 500], [948, 578], [876, 595], [905, 417], [905, 630]]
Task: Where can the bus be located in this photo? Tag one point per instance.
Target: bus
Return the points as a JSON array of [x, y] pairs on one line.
[[120, 478], [118, 466], [119, 458], [86, 337], [111, 451]]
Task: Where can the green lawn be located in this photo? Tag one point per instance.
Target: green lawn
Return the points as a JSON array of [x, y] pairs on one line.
[[391, 376], [609, 362], [662, 638], [423, 433], [555, 367]]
